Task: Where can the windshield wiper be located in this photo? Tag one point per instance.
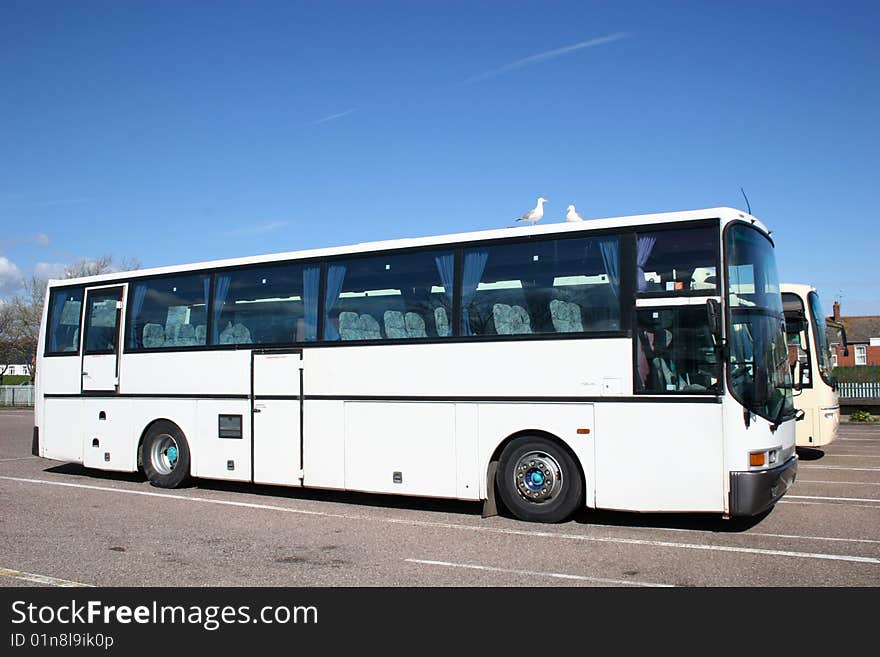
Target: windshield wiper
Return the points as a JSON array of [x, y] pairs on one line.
[[781, 416]]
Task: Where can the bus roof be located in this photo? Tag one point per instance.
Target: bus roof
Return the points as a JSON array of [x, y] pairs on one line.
[[801, 289], [725, 214]]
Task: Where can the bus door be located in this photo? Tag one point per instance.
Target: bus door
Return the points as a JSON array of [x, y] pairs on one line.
[[101, 322], [276, 398]]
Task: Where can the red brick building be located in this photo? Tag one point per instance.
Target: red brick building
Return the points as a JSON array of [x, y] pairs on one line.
[[862, 336]]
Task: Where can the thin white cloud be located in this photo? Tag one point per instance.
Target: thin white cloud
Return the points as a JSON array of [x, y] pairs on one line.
[[258, 229], [333, 117], [41, 239], [50, 269], [548, 55], [10, 277]]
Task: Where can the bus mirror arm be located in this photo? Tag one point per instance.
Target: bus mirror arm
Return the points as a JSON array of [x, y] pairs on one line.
[[713, 314]]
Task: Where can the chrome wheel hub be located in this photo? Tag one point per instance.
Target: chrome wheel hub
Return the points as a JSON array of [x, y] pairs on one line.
[[537, 477], [164, 454]]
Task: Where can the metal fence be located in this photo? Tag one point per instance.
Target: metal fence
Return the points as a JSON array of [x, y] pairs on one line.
[[16, 395], [848, 390]]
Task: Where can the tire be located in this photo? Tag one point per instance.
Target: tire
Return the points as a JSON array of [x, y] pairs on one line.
[[165, 455], [538, 480]]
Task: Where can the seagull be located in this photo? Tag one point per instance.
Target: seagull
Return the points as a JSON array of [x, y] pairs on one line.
[[572, 215], [534, 215]]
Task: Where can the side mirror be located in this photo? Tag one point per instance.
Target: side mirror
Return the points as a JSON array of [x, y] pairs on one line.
[[802, 374], [713, 313], [843, 341]]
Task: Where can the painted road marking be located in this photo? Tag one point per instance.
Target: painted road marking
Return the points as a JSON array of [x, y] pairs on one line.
[[534, 573], [850, 483], [40, 579], [19, 458], [489, 530], [835, 467], [836, 499]]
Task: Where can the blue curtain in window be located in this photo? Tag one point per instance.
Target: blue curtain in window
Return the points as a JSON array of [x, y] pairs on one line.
[[474, 266], [311, 280], [609, 248], [221, 290], [138, 295], [643, 251], [335, 279], [446, 269], [57, 310]]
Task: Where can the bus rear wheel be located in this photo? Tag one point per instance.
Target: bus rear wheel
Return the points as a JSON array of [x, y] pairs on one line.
[[538, 480], [165, 455]]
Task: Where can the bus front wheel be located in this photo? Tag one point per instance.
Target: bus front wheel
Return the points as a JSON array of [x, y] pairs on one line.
[[165, 455], [538, 480]]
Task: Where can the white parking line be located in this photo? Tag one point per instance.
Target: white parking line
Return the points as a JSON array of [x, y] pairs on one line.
[[533, 573], [19, 458], [835, 499], [850, 483], [835, 467], [829, 455], [39, 579], [489, 530], [852, 506]]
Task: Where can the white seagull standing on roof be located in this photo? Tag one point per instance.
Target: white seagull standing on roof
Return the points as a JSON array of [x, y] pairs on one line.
[[572, 215], [534, 215]]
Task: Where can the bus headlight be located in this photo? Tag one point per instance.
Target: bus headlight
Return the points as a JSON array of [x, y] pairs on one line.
[[764, 458]]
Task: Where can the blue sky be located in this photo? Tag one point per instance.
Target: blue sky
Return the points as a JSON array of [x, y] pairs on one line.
[[174, 132]]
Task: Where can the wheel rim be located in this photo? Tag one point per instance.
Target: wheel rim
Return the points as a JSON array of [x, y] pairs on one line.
[[537, 477], [164, 454]]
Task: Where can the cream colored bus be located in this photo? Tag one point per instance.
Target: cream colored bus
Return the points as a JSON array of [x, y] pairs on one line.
[[810, 359]]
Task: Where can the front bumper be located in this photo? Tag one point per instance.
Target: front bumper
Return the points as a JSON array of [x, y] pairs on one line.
[[754, 492]]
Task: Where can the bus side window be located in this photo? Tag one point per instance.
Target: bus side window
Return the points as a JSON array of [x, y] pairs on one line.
[[675, 351], [63, 321], [676, 261]]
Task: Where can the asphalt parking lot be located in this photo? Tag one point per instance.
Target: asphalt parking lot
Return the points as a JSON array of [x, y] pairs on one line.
[[63, 525]]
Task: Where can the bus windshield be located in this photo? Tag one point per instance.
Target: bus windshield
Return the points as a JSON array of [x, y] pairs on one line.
[[823, 351], [759, 373]]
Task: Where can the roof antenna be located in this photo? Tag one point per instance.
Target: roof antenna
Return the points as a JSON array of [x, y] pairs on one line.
[[748, 207]]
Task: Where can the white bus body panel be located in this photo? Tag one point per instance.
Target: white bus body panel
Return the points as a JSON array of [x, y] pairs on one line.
[[108, 434], [538, 368], [659, 456], [60, 375], [186, 373], [99, 373], [414, 440], [324, 443], [277, 421], [61, 436]]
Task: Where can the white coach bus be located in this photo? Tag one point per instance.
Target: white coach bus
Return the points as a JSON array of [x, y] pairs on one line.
[[810, 360], [634, 363]]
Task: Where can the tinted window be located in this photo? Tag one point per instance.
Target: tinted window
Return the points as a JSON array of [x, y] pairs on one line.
[[168, 312], [820, 331], [390, 297], [101, 322], [63, 322], [675, 351], [550, 286], [677, 260], [276, 304]]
